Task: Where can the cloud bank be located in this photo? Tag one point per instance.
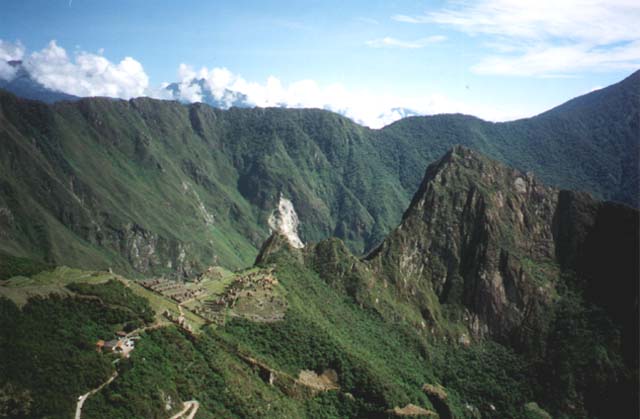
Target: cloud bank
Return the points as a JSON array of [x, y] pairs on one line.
[[546, 37], [82, 74], [9, 52], [87, 74], [374, 110]]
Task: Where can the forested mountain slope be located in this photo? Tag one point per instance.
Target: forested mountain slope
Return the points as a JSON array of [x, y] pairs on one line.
[[590, 143], [156, 186], [496, 296]]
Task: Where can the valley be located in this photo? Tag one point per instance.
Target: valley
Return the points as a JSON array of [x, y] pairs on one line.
[[162, 261], [320, 210]]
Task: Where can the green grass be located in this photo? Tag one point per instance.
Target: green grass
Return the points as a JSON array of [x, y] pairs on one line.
[[216, 286], [167, 364], [20, 288], [381, 361]]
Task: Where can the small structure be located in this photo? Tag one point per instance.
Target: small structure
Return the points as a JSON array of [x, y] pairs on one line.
[[113, 345], [120, 346]]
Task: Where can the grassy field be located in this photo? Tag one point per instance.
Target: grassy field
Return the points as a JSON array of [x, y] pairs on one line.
[[20, 288]]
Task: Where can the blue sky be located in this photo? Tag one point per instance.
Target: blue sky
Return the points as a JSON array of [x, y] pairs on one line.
[[498, 59]]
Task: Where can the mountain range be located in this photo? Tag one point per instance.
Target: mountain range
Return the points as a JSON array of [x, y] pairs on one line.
[[155, 186], [223, 100], [495, 296], [289, 263], [22, 84]]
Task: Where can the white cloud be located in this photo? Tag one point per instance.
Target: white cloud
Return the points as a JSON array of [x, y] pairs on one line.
[[410, 19], [388, 42], [558, 61], [9, 52], [597, 22], [86, 74], [371, 109], [187, 90], [546, 37], [7, 72]]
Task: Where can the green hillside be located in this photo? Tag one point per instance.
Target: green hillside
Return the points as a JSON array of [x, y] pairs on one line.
[[147, 186], [493, 298], [590, 143]]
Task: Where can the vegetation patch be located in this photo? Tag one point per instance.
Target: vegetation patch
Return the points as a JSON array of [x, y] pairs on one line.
[[48, 352]]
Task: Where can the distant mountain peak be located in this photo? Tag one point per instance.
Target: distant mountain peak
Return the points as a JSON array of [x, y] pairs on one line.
[[22, 84], [198, 90]]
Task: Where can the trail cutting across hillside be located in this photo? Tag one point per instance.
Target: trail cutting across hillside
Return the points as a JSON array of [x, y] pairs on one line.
[[85, 396], [191, 404]]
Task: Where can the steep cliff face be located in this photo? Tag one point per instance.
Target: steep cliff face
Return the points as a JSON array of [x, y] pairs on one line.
[[486, 252], [545, 281], [489, 247], [477, 235]]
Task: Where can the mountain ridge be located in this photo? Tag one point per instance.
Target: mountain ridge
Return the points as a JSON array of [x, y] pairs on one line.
[[343, 179], [525, 320], [488, 253]]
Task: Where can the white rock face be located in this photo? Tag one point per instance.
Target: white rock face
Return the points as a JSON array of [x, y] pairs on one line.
[[285, 221], [521, 185]]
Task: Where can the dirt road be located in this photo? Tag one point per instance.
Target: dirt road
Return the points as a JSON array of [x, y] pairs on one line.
[[191, 404], [84, 397]]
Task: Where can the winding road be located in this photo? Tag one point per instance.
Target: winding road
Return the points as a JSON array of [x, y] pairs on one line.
[[191, 404], [85, 396]]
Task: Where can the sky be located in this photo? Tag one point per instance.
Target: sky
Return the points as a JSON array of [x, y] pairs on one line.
[[495, 59]]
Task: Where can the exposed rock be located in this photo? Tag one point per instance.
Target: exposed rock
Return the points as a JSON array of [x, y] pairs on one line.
[[285, 221], [470, 235], [411, 410], [146, 250], [141, 247], [328, 380], [520, 185], [438, 398]]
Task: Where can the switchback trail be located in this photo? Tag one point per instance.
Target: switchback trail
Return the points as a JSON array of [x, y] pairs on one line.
[[85, 396], [191, 404]]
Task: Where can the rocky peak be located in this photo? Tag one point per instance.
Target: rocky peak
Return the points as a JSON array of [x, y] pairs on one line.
[[476, 234]]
